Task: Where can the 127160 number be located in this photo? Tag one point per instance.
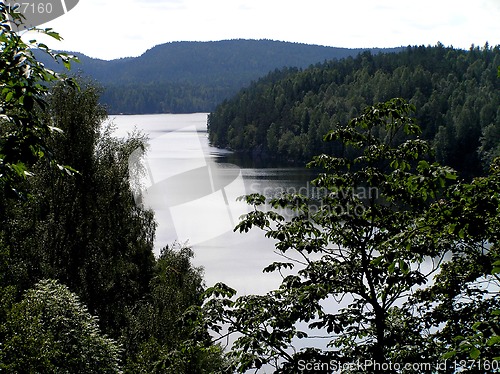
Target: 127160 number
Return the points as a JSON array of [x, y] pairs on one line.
[[23, 8]]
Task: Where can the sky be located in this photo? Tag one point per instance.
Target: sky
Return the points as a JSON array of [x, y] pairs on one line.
[[127, 28]]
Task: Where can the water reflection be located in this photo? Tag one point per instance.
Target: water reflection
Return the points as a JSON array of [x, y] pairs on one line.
[[193, 187]]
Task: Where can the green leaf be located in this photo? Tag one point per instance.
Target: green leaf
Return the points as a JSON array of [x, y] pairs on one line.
[[9, 96], [448, 355], [474, 353], [19, 168], [493, 340], [376, 261], [67, 64], [451, 175], [391, 268], [404, 266], [422, 165], [477, 325]]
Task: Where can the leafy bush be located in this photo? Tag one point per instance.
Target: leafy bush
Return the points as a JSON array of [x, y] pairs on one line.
[[50, 330]]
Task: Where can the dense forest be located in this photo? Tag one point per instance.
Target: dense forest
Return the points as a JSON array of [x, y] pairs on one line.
[[287, 113], [188, 77]]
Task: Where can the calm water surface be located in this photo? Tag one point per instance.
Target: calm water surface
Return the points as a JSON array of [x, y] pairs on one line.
[[193, 189]]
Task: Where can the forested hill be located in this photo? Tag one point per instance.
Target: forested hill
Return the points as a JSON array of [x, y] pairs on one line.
[[456, 93], [196, 76]]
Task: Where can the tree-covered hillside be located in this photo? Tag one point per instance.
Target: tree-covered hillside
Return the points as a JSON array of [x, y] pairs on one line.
[[287, 113], [196, 76]]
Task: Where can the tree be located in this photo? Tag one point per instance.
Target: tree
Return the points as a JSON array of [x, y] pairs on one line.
[[362, 249], [24, 87], [162, 336], [85, 231], [462, 307], [88, 233], [456, 93], [50, 330], [464, 313]]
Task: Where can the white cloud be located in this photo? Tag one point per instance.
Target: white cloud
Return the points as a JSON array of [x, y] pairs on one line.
[[107, 30]]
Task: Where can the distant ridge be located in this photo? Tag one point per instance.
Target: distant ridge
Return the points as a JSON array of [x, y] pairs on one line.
[[196, 76]]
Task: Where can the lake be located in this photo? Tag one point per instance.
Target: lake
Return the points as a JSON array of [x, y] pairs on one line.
[[193, 189]]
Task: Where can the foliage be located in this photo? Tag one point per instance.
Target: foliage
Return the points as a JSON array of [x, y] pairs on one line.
[[24, 86], [50, 330], [84, 231], [162, 337], [462, 306], [463, 302], [87, 232], [355, 257], [155, 97], [287, 113]]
